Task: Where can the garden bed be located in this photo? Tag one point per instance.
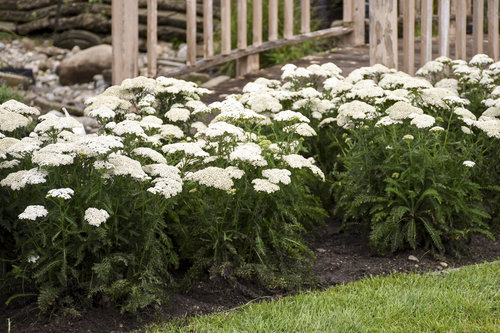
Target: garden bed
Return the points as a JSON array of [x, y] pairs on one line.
[[341, 258]]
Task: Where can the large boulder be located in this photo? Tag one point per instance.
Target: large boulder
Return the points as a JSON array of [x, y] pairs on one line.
[[82, 66]]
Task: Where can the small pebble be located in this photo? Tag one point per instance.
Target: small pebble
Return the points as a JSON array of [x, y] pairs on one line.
[[320, 250], [413, 258], [443, 264]]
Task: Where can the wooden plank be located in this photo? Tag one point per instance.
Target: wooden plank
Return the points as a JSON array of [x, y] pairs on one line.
[[225, 26], [347, 12], [461, 22], [383, 33], [125, 39], [152, 39], [426, 32], [265, 46], [253, 60], [288, 19], [273, 20], [409, 36], [358, 12], [191, 31], [208, 29], [493, 47], [305, 19], [242, 63], [478, 26], [444, 27]]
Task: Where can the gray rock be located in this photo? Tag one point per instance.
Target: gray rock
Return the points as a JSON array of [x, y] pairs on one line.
[[182, 52], [82, 66], [2, 46], [14, 80]]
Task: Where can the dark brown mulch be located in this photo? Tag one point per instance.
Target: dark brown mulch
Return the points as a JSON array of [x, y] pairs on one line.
[[341, 258]]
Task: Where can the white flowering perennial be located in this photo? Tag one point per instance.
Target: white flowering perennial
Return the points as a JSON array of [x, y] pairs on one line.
[[126, 166], [355, 110], [19, 108], [298, 162], [250, 153], [212, 177], [61, 193], [178, 113], [301, 129], [152, 154], [188, 148], [469, 164], [18, 180], [264, 185], [423, 121], [277, 176], [10, 121], [33, 212], [290, 116], [95, 216]]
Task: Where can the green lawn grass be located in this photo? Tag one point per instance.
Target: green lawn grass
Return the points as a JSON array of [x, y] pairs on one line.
[[465, 300]]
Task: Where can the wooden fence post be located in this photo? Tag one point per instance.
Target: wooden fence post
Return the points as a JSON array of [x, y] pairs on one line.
[[225, 14], [358, 16], [208, 29], [191, 32], [273, 20], [409, 36], [478, 26], [152, 39], [426, 32], [444, 27], [493, 46], [305, 17], [125, 39], [383, 32], [253, 60], [461, 22], [242, 63], [288, 19]]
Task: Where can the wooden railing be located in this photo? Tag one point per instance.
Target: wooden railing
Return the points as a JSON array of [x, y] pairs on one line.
[[452, 17], [384, 14], [124, 27]]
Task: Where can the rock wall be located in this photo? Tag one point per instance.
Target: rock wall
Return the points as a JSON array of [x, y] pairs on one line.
[[35, 16]]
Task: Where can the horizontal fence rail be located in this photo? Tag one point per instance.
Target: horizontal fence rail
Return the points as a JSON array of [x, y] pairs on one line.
[[450, 18]]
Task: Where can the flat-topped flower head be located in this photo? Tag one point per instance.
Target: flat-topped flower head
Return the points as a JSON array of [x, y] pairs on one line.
[[10, 121], [178, 114], [469, 164], [126, 166], [188, 148], [61, 193], [152, 154], [53, 123], [248, 152], [290, 116], [212, 177], [481, 60], [18, 180], [95, 216], [19, 108], [301, 129], [33, 212], [277, 176], [264, 185], [423, 121], [355, 110]]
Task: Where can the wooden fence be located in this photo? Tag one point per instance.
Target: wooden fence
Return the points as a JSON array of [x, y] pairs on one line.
[[384, 16], [451, 21]]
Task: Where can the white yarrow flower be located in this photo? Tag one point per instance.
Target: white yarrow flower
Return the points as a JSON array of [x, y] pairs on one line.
[[469, 164], [62, 193], [95, 216], [277, 176], [33, 212], [264, 185]]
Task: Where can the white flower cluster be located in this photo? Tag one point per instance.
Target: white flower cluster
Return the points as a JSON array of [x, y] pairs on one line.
[[212, 177], [95, 216], [33, 212], [61, 193]]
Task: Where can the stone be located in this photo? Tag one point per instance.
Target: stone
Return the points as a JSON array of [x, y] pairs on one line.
[[82, 66], [182, 52], [28, 43], [443, 264], [14, 80], [215, 81], [2, 46], [413, 258]]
